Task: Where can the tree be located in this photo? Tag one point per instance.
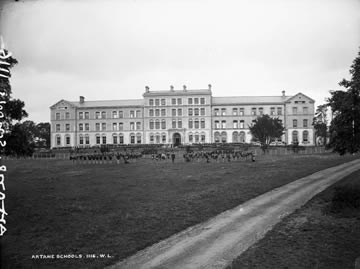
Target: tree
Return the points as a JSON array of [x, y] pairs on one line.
[[20, 141], [266, 129], [345, 106], [43, 135], [320, 122]]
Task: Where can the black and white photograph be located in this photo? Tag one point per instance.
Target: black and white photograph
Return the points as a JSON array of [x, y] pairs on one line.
[[178, 134]]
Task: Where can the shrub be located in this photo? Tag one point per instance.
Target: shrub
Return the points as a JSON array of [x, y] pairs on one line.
[[345, 197]]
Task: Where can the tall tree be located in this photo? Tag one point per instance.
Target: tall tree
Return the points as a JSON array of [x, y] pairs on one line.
[[21, 139], [320, 123], [266, 129], [345, 106], [43, 135]]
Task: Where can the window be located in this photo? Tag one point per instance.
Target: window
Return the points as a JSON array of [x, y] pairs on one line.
[[103, 126], [132, 126], [163, 124], [132, 113], [217, 124], [305, 110], [121, 139], [114, 126], [157, 112], [242, 137], [157, 138], [305, 137], [97, 139], [223, 137], [216, 112], [242, 124], [190, 123], [151, 138], [138, 125], [305, 123], [217, 137], [151, 113], [202, 100], [163, 112], [87, 115], [235, 137], [121, 114], [294, 123], [57, 116], [234, 111], [174, 124], [241, 112], [163, 102], [151, 102], [173, 112], [179, 124], [132, 138], [196, 123], [253, 111], [104, 139], [272, 111], [190, 138], [87, 139], [279, 111], [223, 124], [81, 127], [202, 138], [115, 114], [97, 115], [138, 138], [173, 101], [138, 113], [163, 138], [103, 115], [202, 111], [151, 125], [81, 140], [179, 111], [87, 127], [190, 111], [115, 140], [157, 124], [295, 137], [157, 102], [294, 110], [196, 112], [235, 124], [196, 101], [223, 112], [81, 115], [202, 124], [58, 140], [196, 138], [190, 101], [179, 101], [261, 111], [97, 126], [121, 126], [57, 127], [67, 115]]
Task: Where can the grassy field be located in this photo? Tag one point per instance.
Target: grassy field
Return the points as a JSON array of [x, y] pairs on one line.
[[315, 236], [56, 207]]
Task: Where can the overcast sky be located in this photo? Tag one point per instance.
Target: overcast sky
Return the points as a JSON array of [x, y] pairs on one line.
[[113, 49]]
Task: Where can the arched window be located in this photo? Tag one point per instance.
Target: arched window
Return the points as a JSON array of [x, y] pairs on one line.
[[295, 138], [104, 139], [163, 138], [305, 137], [132, 138], [202, 124], [216, 137], [223, 137], [197, 137], [138, 138], [81, 139], [87, 139], [242, 137], [196, 123], [151, 125], [115, 139], [157, 124], [157, 138], [58, 140], [98, 139], [191, 137], [67, 140], [203, 137], [190, 123], [163, 124], [151, 138], [121, 139], [235, 137], [242, 124]]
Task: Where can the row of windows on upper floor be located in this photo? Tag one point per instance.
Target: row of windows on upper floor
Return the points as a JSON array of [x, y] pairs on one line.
[[100, 115], [241, 124], [100, 126], [177, 101]]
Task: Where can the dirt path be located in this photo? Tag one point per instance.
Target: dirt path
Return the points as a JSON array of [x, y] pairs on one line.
[[215, 243]]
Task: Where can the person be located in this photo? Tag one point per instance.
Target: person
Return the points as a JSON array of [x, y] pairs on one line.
[[173, 157]]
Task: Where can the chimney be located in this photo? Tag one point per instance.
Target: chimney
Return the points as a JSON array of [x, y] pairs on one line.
[[184, 88], [147, 89], [283, 93], [171, 88], [82, 99], [209, 87]]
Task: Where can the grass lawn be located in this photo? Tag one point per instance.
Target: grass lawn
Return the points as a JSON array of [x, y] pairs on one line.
[[312, 237], [56, 207]]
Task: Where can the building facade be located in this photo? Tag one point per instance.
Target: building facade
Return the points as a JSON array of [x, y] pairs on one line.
[[177, 117]]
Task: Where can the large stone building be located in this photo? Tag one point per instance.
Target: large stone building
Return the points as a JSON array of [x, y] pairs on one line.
[[177, 117]]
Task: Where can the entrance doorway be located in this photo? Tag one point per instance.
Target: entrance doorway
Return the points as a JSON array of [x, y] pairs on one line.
[[177, 139]]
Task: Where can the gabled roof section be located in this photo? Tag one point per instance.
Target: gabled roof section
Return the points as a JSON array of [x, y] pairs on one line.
[[62, 102], [247, 100], [301, 95]]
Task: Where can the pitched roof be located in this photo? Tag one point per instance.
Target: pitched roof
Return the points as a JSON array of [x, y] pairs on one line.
[[177, 92], [106, 103], [249, 100]]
